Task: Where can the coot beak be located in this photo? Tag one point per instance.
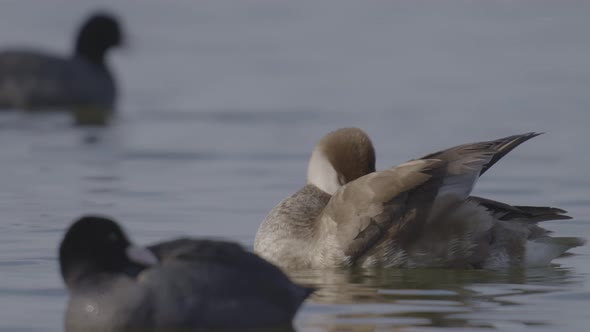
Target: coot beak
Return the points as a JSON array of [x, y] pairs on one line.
[[141, 255]]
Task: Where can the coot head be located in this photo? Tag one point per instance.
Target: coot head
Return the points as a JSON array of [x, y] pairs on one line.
[[96, 245], [99, 33]]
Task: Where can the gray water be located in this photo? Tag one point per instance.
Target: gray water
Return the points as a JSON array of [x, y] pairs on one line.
[[222, 102]]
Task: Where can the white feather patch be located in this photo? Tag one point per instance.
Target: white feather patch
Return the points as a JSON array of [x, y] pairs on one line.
[[321, 173], [540, 253]]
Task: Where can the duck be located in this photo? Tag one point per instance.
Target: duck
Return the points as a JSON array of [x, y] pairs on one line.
[[183, 283], [82, 83], [419, 214]]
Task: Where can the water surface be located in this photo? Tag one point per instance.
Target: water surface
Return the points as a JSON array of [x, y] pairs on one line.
[[223, 101]]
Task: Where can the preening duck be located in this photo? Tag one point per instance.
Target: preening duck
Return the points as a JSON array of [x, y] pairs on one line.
[[417, 214]]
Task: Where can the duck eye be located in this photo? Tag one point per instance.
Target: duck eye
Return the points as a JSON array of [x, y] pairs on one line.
[[112, 237]]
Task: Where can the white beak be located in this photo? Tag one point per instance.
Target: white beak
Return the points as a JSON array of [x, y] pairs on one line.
[[141, 255]]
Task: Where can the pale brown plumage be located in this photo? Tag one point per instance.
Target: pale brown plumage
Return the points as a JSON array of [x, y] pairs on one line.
[[415, 214], [366, 210]]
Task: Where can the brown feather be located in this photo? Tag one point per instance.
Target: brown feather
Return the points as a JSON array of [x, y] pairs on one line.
[[363, 211]]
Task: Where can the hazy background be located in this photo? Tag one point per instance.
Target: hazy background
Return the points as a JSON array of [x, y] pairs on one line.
[[222, 101]]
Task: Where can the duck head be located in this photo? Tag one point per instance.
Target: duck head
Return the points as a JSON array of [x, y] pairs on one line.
[[340, 157]]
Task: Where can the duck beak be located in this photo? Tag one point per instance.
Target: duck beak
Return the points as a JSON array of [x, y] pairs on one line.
[[141, 256]]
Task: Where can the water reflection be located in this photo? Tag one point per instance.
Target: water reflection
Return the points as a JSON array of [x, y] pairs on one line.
[[399, 299], [274, 329]]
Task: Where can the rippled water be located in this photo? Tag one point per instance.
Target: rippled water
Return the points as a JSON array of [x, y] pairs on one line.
[[223, 101]]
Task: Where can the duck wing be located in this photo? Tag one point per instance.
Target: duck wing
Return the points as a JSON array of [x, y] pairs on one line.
[[362, 212], [500, 148], [528, 214]]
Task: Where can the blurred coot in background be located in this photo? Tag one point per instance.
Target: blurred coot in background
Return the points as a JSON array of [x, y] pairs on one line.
[[82, 82]]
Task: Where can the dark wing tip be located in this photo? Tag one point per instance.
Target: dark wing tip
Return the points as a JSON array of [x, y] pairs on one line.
[[504, 145], [532, 214], [532, 134], [564, 217], [309, 290]]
